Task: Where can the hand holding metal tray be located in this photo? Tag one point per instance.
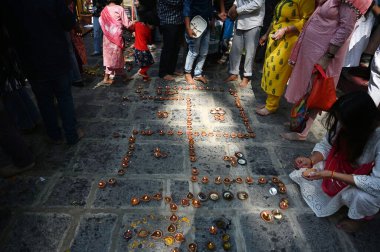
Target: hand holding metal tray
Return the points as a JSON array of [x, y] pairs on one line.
[[198, 25]]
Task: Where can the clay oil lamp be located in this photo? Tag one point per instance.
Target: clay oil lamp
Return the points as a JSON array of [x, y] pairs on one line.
[[239, 180], [227, 181], [211, 134], [213, 230], [157, 196], [157, 154], [214, 196], [277, 214], [121, 172], [210, 246], [173, 207], [131, 147], [227, 195], [218, 134], [179, 133], [240, 135], [164, 155], [194, 171], [112, 181], [132, 139], [179, 237], [204, 133], [282, 189], [170, 132], [249, 180], [185, 202], [169, 240], [128, 235], [202, 197], [129, 153], [145, 198], [280, 184], [226, 237], [266, 216], [239, 154], [262, 180], [246, 136], [213, 111], [125, 164], [190, 195], [226, 134], [233, 135], [193, 158], [142, 233], [126, 159], [218, 180], [192, 247], [168, 199], [205, 180], [242, 195], [196, 133], [161, 132], [157, 234], [252, 135], [196, 203], [173, 218], [227, 246], [284, 204], [172, 228], [234, 161], [149, 132], [194, 179], [275, 180], [102, 184], [135, 132], [175, 250], [135, 201], [226, 158]]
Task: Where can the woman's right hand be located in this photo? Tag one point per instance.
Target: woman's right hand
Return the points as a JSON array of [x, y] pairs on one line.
[[302, 162], [263, 39], [190, 33]]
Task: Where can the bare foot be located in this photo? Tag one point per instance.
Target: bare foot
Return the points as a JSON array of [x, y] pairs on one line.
[[189, 79], [232, 77], [178, 73], [263, 111], [293, 136], [168, 77], [244, 83], [201, 79], [107, 81], [260, 106]]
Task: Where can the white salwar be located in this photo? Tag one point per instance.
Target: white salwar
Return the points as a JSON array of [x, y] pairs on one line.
[[362, 200]]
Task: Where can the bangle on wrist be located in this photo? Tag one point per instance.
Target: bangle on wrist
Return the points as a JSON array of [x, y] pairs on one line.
[[332, 174], [311, 161]]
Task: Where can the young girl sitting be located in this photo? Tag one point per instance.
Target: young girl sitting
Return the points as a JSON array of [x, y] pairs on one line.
[[143, 37]]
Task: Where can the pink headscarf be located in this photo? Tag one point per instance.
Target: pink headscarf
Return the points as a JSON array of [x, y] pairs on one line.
[[112, 29]]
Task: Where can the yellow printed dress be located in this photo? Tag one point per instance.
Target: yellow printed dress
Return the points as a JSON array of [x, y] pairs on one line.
[[276, 70]]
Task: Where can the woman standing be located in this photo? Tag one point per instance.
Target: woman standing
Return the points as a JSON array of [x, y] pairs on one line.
[[324, 41], [288, 21], [112, 20]]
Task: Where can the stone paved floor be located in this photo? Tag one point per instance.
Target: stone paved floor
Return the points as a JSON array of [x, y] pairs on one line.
[[59, 207]]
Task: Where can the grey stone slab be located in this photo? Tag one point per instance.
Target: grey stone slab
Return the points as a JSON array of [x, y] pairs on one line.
[[179, 190], [20, 191], [147, 112], [55, 158], [119, 111], [259, 161], [94, 156], [326, 232], [94, 233], [143, 161], [87, 111], [104, 129], [69, 191], [37, 232], [287, 155], [366, 239], [120, 195], [210, 158], [152, 222], [276, 236]]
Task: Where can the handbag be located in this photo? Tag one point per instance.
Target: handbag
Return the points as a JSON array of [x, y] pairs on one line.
[[322, 95], [299, 115]]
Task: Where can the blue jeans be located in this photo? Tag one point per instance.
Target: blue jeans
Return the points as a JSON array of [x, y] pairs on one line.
[[60, 89], [198, 49], [98, 35]]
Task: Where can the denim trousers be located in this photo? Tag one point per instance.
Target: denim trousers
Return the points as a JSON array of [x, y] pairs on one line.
[[198, 49], [59, 88], [75, 72], [98, 35]]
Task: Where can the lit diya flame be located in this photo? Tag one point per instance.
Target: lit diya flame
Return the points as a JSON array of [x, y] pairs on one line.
[[282, 189], [218, 180], [168, 199], [211, 246], [173, 218], [227, 181], [179, 237], [192, 247], [157, 234], [194, 171], [135, 201], [196, 203], [239, 180], [185, 202], [205, 180], [112, 181], [121, 172], [275, 180], [266, 216], [157, 196], [284, 205], [132, 139], [213, 230], [190, 195], [101, 184], [277, 214], [194, 179], [173, 207], [145, 198], [262, 180], [172, 228], [128, 235]]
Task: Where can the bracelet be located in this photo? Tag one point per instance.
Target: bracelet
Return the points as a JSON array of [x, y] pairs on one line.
[[330, 55], [332, 174], [312, 162]]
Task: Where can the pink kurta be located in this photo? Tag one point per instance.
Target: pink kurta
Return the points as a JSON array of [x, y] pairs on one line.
[[332, 22], [113, 57]]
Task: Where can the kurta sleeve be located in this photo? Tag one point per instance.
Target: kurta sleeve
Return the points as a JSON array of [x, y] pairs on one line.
[[323, 147], [249, 7], [347, 20], [306, 9], [371, 183], [124, 19]]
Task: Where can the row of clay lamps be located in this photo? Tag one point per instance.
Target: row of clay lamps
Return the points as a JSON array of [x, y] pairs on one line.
[[145, 198], [243, 115], [193, 87], [157, 153], [102, 183], [127, 157], [189, 123], [194, 133]]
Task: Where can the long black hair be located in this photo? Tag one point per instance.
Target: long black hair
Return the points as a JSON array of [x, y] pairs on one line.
[[358, 117]]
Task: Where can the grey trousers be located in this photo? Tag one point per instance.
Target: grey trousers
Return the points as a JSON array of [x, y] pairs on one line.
[[247, 39]]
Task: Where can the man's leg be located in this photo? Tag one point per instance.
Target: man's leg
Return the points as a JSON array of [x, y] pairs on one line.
[[194, 46], [168, 53], [251, 39], [203, 50], [62, 91], [98, 35], [235, 55], [178, 38]]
